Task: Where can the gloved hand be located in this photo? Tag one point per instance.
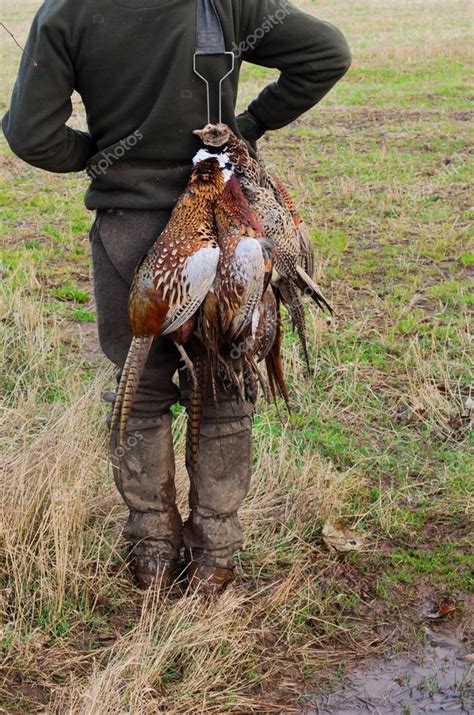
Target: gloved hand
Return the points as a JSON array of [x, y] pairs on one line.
[[250, 128]]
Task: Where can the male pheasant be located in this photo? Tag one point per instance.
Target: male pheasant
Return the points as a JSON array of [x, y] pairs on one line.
[[174, 277]]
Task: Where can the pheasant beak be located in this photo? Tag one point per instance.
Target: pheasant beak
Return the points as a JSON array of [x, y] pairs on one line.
[[209, 129], [212, 134]]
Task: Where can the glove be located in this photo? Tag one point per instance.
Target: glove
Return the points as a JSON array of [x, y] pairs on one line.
[[249, 127]]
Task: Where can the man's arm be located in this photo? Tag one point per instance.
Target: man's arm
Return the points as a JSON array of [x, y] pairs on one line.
[[35, 126], [312, 56]]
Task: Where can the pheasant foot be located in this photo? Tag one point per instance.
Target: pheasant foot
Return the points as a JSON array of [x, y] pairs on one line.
[[188, 364]]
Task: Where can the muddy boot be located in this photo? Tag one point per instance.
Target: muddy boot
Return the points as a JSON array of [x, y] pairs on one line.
[[208, 580], [152, 571], [144, 471], [212, 534]]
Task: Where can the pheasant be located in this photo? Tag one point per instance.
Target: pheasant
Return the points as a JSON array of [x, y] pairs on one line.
[[279, 223], [174, 277], [254, 177], [228, 317], [287, 291]]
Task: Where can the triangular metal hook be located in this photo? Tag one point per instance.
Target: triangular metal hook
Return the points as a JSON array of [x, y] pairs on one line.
[[207, 83]]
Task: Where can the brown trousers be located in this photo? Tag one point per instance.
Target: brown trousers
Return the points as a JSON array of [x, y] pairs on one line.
[[144, 472]]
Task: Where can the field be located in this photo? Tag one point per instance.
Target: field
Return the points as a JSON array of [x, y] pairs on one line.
[[378, 441]]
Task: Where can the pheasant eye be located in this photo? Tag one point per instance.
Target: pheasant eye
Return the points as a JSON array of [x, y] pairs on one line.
[[228, 166]]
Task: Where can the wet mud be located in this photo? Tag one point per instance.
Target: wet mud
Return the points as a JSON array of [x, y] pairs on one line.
[[437, 679]]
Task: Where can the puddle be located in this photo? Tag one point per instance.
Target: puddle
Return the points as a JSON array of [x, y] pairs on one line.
[[436, 680]]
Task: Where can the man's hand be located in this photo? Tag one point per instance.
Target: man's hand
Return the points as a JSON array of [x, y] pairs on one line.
[[250, 128]]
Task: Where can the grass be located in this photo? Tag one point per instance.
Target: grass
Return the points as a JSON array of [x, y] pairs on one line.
[[379, 438]]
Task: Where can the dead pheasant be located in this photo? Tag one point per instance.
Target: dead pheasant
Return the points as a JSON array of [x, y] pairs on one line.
[[281, 194], [245, 263], [174, 277], [287, 291], [289, 275], [275, 205]]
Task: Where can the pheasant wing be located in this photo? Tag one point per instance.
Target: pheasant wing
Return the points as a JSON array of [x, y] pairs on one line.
[[185, 286], [248, 268]]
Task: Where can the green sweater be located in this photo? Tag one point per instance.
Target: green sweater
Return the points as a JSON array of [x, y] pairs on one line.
[[131, 62]]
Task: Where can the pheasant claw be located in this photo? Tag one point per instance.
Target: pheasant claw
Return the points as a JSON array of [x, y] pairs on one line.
[[188, 364]]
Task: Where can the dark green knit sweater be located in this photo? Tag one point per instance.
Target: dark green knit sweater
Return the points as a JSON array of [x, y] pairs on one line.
[[131, 62]]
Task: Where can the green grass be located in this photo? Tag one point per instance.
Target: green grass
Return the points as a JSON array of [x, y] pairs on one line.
[[71, 292], [83, 316]]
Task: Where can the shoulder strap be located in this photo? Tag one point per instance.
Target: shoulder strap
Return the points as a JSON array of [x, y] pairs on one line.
[[210, 41], [209, 35]]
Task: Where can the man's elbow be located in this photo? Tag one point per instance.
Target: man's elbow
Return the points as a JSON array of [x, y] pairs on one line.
[[42, 154], [341, 53], [344, 57], [20, 142], [24, 150]]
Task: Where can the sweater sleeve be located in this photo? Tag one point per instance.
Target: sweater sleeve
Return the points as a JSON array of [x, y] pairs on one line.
[[311, 55], [35, 125]]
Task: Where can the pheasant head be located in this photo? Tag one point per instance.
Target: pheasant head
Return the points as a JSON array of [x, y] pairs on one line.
[[214, 134]]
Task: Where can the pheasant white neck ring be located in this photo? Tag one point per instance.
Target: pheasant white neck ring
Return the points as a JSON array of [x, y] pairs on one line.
[[221, 156]]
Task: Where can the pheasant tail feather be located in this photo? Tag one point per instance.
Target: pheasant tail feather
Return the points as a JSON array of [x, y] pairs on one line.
[[310, 288], [120, 392], [196, 407], [291, 299], [132, 372], [274, 367]]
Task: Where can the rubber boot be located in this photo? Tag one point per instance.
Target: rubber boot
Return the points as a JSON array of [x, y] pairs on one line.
[[144, 471], [212, 534]]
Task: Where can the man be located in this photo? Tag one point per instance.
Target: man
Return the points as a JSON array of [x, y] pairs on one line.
[[132, 63]]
